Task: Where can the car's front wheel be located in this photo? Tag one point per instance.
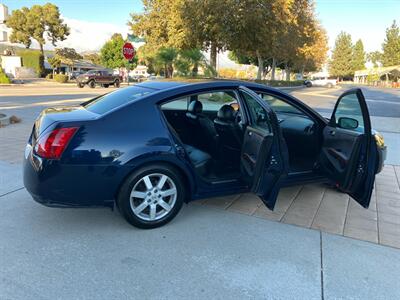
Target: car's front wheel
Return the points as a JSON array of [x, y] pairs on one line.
[[117, 83], [151, 196]]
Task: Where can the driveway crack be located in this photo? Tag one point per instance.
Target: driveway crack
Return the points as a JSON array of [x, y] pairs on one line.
[[322, 265], [13, 191]]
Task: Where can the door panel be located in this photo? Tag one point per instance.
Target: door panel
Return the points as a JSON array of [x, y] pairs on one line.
[[263, 162], [348, 153]]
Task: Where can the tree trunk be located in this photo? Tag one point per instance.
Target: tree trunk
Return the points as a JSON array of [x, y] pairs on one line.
[[273, 68], [287, 72], [213, 56], [260, 66], [195, 69]]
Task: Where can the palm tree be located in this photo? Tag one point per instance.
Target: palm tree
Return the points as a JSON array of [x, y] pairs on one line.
[[194, 57], [167, 57]]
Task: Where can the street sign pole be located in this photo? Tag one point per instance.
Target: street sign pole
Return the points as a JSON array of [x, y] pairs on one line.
[[129, 53]]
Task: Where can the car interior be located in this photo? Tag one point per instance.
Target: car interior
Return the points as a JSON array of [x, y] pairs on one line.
[[210, 127]]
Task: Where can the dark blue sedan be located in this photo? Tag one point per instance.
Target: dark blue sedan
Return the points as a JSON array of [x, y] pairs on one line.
[[152, 146]]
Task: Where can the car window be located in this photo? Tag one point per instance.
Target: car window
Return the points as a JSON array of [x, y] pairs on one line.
[[213, 101], [280, 106], [178, 104], [349, 107], [258, 115], [117, 98]]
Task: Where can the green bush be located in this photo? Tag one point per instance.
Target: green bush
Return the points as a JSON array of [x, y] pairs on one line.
[[4, 78], [32, 59], [49, 76], [283, 83], [61, 78]]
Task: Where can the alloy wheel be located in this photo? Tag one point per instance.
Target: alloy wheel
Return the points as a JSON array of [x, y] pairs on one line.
[[153, 196]]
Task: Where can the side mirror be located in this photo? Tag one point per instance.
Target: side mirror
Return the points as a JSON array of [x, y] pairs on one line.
[[347, 123]]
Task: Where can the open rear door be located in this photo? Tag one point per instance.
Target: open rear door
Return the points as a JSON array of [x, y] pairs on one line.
[[264, 155], [348, 155]]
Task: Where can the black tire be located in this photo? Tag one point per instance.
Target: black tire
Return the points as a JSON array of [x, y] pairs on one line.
[[117, 84], [81, 85], [105, 85], [135, 179], [308, 84], [92, 84]]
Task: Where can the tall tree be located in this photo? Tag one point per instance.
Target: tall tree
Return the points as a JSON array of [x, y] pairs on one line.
[[67, 56], [55, 63], [254, 29], [40, 23], [391, 46], [208, 23], [340, 64], [358, 60], [94, 58], [312, 57], [111, 53], [167, 56], [375, 58]]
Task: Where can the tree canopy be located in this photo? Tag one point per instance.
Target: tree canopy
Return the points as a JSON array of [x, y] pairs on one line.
[[111, 55], [40, 22], [359, 56], [340, 64], [391, 46]]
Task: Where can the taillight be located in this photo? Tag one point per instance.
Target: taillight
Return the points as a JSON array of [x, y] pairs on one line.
[[53, 144]]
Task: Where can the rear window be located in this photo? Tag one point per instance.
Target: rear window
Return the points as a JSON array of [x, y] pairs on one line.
[[117, 98]]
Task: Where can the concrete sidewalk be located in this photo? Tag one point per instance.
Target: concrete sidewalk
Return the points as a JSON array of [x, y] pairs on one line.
[[204, 253]]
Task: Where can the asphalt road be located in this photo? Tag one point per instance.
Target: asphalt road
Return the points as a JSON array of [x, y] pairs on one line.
[[382, 102]]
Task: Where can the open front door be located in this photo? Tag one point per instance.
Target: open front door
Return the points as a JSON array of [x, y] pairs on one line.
[[349, 154], [264, 156]]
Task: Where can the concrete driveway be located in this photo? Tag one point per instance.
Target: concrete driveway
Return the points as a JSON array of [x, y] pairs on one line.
[[205, 253]]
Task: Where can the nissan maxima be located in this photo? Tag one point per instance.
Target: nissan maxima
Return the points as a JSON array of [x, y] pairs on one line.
[[148, 148]]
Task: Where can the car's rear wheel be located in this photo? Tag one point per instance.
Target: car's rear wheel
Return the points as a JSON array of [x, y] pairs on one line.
[[92, 84], [117, 83], [151, 196], [81, 85]]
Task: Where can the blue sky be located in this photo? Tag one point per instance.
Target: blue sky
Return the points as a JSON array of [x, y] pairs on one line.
[[365, 19]]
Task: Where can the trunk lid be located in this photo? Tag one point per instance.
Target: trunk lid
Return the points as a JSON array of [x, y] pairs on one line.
[[59, 114]]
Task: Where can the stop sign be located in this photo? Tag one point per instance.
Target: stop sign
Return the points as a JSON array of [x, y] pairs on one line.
[[128, 51]]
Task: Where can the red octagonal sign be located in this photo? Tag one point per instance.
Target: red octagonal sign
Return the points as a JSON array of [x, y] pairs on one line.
[[128, 51]]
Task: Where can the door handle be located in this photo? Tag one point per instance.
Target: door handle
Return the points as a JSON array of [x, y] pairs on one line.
[[332, 132]]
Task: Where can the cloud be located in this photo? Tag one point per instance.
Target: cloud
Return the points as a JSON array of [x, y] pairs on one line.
[[88, 36]]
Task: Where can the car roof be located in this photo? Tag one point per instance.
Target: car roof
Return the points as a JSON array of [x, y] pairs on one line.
[[197, 83]]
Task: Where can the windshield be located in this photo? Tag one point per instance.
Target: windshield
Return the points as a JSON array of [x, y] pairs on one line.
[[108, 102]]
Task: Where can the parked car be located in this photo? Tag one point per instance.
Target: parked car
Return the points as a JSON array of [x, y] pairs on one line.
[[321, 81], [75, 74], [103, 78], [150, 147]]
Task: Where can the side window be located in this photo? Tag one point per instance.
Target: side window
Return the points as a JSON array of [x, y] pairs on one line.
[[280, 106], [348, 114], [213, 101], [258, 115], [178, 104]]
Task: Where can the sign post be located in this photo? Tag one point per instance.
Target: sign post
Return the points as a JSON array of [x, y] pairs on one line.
[[129, 53]]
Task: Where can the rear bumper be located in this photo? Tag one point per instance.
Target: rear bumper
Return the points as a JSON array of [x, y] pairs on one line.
[[56, 185]]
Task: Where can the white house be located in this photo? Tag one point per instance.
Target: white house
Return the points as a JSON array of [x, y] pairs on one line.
[[4, 30]]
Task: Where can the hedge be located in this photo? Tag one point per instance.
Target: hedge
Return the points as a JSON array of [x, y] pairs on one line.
[[32, 59], [4, 78], [61, 78]]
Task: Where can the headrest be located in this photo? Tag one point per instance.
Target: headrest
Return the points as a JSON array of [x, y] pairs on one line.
[[226, 113], [195, 107]]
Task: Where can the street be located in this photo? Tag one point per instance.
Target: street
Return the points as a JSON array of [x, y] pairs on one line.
[[216, 248]]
